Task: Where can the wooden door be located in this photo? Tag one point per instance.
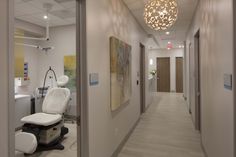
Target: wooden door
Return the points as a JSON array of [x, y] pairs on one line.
[[142, 78], [179, 74], [163, 74], [197, 80]]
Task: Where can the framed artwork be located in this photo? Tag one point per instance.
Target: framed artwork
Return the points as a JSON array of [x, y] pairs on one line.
[[120, 72], [70, 71], [19, 54]]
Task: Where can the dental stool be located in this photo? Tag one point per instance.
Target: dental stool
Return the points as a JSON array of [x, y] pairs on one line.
[[48, 126]]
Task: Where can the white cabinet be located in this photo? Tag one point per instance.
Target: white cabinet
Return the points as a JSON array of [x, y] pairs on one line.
[[152, 84], [22, 108]]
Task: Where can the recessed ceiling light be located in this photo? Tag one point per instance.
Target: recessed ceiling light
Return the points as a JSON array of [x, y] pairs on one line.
[[168, 48], [167, 33], [169, 42], [180, 46], [63, 1], [45, 17]]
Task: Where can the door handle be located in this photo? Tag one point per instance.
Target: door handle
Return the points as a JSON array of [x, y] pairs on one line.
[[198, 94], [158, 78]]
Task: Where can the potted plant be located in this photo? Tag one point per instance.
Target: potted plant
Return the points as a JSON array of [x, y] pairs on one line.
[[153, 72]]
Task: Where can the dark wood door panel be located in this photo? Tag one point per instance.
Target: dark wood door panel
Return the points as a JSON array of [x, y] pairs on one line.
[[179, 74], [163, 74]]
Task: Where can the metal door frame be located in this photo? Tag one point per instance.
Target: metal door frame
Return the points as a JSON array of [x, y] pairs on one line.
[[82, 92], [142, 79]]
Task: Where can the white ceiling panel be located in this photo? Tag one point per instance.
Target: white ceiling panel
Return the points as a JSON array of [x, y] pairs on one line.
[[63, 12], [32, 19], [40, 4], [69, 4], [25, 9]]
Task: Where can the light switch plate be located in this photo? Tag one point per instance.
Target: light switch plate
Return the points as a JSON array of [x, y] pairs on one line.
[[93, 79], [228, 81]]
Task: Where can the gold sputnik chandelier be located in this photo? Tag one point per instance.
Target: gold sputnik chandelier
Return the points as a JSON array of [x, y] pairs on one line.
[[160, 14]]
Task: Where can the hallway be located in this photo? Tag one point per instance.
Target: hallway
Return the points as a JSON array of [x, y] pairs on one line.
[[165, 130]]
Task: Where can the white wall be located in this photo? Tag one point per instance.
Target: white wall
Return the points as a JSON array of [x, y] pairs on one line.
[[173, 53], [63, 39], [149, 93], [107, 129], [31, 56], [215, 20]]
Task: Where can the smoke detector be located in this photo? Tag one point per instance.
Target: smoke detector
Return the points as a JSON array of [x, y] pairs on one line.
[[26, 1], [47, 6], [63, 1]]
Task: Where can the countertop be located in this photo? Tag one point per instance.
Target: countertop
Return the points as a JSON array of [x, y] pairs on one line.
[[20, 96]]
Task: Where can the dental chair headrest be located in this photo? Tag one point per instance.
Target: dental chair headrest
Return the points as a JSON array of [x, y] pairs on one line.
[[56, 101], [62, 81]]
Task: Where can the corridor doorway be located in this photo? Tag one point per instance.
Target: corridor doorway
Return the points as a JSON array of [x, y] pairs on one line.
[[163, 74], [32, 41], [179, 74], [142, 78], [198, 80]]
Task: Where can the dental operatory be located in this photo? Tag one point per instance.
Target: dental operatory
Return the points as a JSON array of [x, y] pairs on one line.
[[45, 78]]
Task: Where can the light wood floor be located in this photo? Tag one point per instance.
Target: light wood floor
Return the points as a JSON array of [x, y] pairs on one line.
[[165, 130]]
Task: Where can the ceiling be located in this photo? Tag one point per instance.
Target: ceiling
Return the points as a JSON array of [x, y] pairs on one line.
[[178, 31], [63, 12]]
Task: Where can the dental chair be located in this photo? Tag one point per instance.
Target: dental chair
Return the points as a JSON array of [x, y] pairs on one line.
[[47, 127]]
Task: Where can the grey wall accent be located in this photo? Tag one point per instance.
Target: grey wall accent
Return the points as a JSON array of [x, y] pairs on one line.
[[215, 20], [234, 71], [6, 79], [107, 18]]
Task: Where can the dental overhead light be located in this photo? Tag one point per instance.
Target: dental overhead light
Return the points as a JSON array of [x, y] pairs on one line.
[[48, 8], [45, 49], [160, 14]]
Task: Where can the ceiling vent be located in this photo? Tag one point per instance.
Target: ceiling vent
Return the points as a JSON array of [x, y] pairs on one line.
[[63, 14], [26, 1], [63, 1]]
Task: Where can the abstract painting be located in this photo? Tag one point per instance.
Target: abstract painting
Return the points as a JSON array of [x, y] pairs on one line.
[[19, 54], [70, 71], [120, 60]]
